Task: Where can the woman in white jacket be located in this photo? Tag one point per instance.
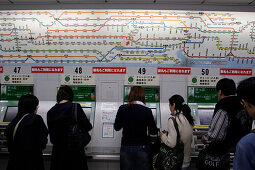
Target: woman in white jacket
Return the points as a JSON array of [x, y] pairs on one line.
[[181, 111]]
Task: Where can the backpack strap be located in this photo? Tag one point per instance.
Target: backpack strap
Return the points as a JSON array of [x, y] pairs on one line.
[[176, 128]]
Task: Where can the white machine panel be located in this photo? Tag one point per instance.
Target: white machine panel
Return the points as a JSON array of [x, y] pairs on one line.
[[208, 81], [17, 79], [72, 79], [145, 80]]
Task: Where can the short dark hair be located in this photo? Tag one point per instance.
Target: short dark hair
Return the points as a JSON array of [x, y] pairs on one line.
[[136, 94], [246, 90], [27, 104], [227, 86], [65, 93]]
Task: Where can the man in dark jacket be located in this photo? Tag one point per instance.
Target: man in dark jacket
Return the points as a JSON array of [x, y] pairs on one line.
[[229, 124], [245, 149]]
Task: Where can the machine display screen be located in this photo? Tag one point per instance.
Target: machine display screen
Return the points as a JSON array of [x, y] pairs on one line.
[[154, 113], [10, 114], [205, 116], [87, 111]]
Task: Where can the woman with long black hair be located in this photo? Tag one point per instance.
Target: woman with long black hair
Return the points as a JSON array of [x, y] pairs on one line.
[[182, 113], [26, 136]]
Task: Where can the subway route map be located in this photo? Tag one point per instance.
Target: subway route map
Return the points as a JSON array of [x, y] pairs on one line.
[[128, 37]]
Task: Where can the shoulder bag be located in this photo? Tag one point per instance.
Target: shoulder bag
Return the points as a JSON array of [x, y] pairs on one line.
[[17, 125], [76, 138], [170, 158], [208, 161]]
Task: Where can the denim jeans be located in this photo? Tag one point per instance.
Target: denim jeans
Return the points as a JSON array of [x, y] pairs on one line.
[[135, 157]]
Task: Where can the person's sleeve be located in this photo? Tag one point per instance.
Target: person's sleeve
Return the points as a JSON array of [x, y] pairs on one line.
[[42, 132], [170, 139], [118, 124], [82, 119], [218, 127], [242, 160], [50, 128], [8, 133], [151, 124]]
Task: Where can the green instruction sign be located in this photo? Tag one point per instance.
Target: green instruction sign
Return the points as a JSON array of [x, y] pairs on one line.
[[202, 95], [84, 93], [152, 94], [14, 92]]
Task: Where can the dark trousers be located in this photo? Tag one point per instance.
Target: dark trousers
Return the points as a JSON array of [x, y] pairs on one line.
[[135, 157], [62, 159]]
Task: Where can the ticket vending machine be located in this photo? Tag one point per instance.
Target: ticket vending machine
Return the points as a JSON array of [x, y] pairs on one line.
[[151, 87], [12, 88], [202, 98]]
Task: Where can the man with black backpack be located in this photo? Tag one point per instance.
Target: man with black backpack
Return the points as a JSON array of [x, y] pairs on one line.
[[245, 149], [230, 122]]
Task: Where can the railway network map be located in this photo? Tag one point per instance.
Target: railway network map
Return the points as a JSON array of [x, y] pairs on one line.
[[128, 37]]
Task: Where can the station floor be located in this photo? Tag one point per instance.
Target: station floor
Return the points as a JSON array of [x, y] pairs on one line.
[[92, 164]]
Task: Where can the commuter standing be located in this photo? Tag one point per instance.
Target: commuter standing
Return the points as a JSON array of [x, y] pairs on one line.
[[59, 119], [26, 136], [182, 114], [230, 122], [135, 118], [245, 149]]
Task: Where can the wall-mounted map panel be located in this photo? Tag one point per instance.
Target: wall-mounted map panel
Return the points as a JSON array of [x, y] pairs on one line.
[[156, 37]]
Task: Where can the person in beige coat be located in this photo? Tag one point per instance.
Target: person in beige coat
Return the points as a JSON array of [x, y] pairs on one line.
[[181, 111]]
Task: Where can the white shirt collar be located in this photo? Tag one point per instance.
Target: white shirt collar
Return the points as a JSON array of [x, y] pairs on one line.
[[139, 102]]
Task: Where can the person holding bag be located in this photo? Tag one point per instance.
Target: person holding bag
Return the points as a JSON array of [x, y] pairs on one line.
[[62, 117], [26, 136], [180, 125]]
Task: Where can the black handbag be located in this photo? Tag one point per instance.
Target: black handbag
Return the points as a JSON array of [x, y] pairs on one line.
[[76, 138], [170, 158], [155, 143], [212, 161]]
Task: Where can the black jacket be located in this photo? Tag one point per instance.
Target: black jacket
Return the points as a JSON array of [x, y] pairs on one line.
[[135, 119], [30, 139], [240, 124], [59, 119]]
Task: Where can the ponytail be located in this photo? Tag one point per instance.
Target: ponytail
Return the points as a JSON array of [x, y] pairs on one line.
[[187, 113], [182, 106]]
